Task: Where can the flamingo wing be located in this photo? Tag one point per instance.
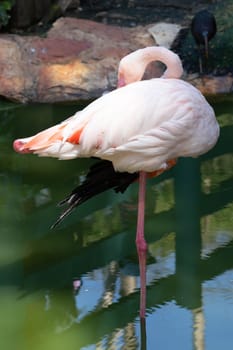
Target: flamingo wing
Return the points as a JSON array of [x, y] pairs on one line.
[[101, 177]]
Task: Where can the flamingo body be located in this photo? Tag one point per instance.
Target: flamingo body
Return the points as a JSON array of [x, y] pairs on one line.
[[138, 127]]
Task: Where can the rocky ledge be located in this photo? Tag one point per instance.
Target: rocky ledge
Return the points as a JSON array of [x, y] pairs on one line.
[[78, 59]]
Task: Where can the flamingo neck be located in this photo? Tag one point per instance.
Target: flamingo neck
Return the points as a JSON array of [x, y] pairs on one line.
[[133, 66], [170, 59]]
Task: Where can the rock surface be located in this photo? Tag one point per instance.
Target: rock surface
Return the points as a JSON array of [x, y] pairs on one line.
[[78, 59]]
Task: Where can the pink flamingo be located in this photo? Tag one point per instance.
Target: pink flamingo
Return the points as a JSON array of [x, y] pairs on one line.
[[143, 126]]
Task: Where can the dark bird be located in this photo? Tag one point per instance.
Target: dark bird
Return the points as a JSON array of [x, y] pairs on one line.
[[203, 28]]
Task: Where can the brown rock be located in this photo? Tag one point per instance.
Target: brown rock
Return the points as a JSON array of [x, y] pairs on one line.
[[94, 70], [211, 85], [12, 77], [55, 49], [77, 60]]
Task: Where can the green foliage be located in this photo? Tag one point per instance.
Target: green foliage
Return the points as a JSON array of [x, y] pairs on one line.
[[5, 7]]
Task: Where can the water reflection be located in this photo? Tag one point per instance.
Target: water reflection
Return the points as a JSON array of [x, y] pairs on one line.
[[77, 286]]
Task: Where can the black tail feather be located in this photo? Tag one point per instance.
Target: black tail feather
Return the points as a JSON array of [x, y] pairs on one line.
[[101, 177]]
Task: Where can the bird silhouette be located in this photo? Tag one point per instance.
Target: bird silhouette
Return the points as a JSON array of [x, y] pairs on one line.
[[203, 28]]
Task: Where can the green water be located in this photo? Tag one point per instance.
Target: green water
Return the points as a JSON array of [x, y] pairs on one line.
[[189, 228]]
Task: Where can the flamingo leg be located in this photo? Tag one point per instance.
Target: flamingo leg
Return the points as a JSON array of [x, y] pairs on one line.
[[140, 241], [200, 60]]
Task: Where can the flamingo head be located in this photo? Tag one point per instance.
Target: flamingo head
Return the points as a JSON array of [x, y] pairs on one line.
[[19, 146], [130, 69]]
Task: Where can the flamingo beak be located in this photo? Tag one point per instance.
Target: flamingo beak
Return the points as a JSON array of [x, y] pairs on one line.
[[19, 147], [205, 35], [121, 81]]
